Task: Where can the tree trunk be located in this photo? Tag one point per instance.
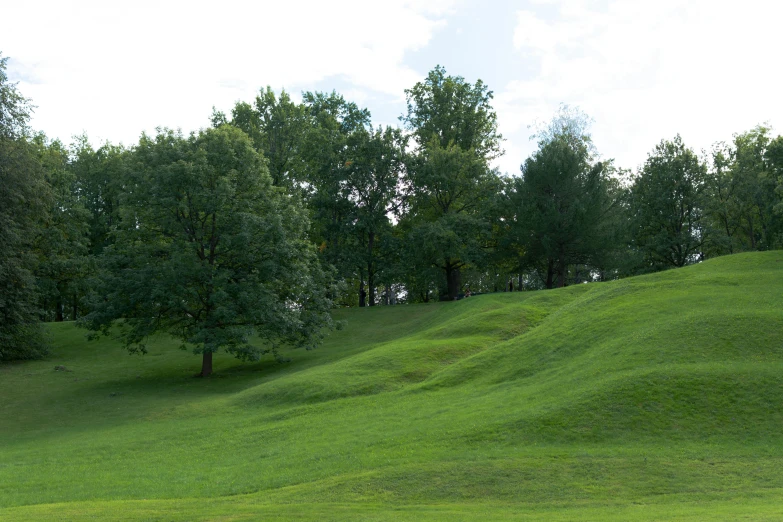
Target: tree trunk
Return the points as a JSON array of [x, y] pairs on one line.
[[75, 307], [58, 310], [550, 273], [362, 294], [728, 234], [561, 270], [371, 289], [370, 271], [206, 364], [454, 281]]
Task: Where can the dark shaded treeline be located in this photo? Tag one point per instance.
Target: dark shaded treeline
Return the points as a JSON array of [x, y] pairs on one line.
[[350, 214]]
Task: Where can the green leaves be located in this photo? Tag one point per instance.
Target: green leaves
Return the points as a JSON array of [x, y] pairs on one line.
[[209, 251], [15, 109], [451, 111], [561, 204], [25, 200], [668, 206], [449, 178]]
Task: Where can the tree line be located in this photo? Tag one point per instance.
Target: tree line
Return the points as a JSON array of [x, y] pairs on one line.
[[257, 225]]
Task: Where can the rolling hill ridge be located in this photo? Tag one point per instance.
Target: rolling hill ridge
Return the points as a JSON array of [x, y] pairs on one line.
[[654, 397]]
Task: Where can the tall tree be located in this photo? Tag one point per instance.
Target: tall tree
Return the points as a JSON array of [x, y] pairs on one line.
[[209, 251], [721, 205], [99, 177], [562, 203], [742, 195], [63, 242], [371, 187], [24, 202], [774, 157], [668, 206], [754, 189], [455, 130], [277, 127], [449, 227], [327, 159]]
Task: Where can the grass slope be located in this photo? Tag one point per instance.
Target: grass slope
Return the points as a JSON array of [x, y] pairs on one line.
[[653, 398]]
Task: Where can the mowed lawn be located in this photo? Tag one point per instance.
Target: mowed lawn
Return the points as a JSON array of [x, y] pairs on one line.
[[653, 398]]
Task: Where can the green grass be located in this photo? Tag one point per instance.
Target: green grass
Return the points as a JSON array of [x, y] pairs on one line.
[[653, 398]]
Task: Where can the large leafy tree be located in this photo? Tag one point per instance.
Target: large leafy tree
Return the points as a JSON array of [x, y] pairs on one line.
[[99, 178], [63, 242], [774, 157], [561, 202], [741, 190], [667, 205], [754, 189], [277, 126], [328, 158], [455, 131], [721, 204], [370, 186], [209, 251], [449, 227], [24, 205]]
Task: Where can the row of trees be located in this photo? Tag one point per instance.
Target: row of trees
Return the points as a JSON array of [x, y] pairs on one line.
[[280, 210]]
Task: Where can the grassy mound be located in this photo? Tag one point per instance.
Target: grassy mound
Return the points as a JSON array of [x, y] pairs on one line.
[[656, 397]]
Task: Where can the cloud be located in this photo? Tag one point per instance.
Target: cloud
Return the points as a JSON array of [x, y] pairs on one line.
[[648, 70], [114, 69]]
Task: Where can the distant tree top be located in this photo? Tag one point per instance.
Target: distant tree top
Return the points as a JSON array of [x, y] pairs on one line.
[[453, 112]]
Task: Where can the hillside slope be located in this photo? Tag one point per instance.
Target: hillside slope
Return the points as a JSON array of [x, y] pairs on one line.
[[661, 391]]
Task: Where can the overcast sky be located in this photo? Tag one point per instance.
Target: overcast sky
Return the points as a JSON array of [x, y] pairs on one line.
[[643, 70]]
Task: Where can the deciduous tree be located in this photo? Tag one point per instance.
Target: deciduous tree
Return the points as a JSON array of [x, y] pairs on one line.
[[455, 130], [668, 206], [371, 188], [209, 251], [24, 204], [562, 204], [62, 244], [278, 127]]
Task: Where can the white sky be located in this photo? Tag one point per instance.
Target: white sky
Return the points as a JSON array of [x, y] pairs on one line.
[[644, 70]]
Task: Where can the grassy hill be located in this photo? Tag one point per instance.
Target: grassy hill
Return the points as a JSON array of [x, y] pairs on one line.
[[653, 398]]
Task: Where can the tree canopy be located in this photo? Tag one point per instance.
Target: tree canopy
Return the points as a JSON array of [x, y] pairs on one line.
[[668, 205], [561, 201], [25, 197], [242, 236], [209, 251], [449, 177]]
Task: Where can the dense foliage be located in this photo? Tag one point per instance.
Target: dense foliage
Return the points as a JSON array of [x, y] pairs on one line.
[[208, 250], [282, 209], [25, 197]]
